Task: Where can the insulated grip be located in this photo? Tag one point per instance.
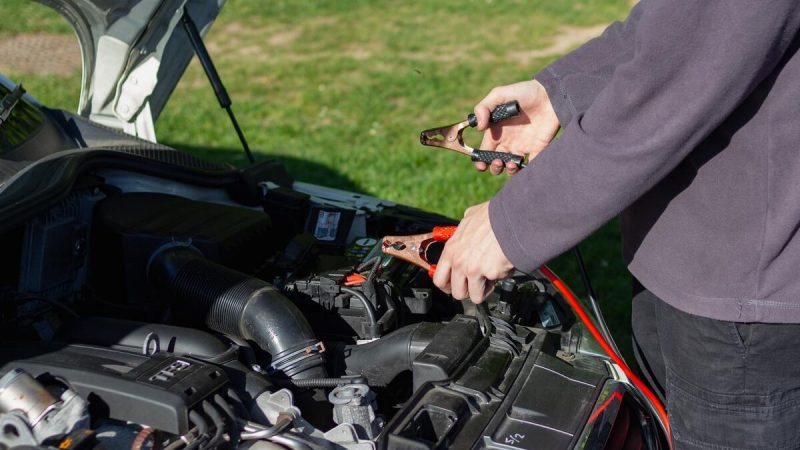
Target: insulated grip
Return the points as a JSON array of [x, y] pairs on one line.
[[443, 233], [432, 270], [504, 111], [499, 114], [488, 156]]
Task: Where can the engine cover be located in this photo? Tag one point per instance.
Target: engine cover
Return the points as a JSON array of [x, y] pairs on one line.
[[157, 390]]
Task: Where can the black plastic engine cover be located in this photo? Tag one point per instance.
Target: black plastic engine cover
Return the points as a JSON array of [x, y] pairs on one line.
[[514, 393], [129, 228], [447, 351], [157, 390]]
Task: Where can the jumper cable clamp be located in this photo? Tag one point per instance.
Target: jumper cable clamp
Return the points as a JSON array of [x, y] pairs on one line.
[[420, 249], [451, 137], [424, 250]]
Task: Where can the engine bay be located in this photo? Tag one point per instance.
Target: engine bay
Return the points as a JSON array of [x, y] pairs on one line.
[[146, 313]]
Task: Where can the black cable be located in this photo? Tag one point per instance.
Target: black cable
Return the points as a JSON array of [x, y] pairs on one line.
[[370, 262], [202, 430], [483, 315], [369, 286], [373, 273], [372, 316], [217, 420], [598, 314], [238, 404], [233, 429]]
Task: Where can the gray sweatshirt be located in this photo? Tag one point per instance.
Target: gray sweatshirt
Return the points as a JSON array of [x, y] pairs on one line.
[[684, 120]]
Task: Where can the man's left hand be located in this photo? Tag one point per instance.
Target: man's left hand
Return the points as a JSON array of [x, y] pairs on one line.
[[472, 259]]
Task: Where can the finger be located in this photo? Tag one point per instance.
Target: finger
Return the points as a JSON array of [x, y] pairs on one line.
[[481, 166], [458, 286], [488, 288], [482, 113], [477, 289], [497, 167], [512, 169], [441, 278], [484, 108], [496, 133]]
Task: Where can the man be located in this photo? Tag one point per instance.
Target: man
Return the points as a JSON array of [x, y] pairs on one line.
[[684, 118]]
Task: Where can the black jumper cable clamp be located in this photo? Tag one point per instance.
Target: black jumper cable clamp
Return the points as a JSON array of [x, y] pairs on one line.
[[451, 137]]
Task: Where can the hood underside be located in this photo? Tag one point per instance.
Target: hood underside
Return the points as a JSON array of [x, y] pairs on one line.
[[134, 52]]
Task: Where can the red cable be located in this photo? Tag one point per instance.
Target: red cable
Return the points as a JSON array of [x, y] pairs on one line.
[[615, 396], [576, 305]]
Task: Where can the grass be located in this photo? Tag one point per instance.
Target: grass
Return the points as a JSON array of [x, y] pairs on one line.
[[344, 88]]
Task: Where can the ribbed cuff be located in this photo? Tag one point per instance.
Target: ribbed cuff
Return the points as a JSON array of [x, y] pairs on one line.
[[506, 234]]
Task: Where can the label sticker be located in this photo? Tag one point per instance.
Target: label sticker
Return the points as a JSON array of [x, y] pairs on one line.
[[327, 225], [361, 247]]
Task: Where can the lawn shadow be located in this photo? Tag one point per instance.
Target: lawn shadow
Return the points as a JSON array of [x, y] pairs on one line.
[[602, 250]]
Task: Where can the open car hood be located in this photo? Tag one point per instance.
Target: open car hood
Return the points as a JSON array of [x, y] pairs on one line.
[[134, 52]]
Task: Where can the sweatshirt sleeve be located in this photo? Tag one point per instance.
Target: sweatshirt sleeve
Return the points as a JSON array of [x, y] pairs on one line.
[[694, 62], [573, 81]]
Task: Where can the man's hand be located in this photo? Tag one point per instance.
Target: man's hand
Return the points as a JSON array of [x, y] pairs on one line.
[[527, 134], [472, 259]]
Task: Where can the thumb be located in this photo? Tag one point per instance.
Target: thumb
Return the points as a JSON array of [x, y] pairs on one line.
[[484, 108]]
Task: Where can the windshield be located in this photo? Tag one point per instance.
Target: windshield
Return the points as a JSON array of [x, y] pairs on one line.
[[23, 121]]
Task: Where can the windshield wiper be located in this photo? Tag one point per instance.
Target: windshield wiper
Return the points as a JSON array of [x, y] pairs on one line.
[[9, 102]]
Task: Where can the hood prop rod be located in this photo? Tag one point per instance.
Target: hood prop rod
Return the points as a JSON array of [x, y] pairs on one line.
[[213, 77]]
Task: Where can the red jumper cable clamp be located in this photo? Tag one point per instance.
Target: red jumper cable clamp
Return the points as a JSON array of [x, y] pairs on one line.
[[417, 249]]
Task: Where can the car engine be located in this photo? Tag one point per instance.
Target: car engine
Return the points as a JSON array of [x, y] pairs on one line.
[[146, 312]]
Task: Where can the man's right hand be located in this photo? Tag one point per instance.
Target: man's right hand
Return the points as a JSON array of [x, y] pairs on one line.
[[527, 134]]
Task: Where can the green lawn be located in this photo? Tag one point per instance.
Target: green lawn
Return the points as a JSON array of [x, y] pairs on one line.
[[340, 90]]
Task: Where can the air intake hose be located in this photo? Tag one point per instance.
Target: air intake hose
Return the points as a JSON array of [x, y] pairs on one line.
[[238, 305], [380, 361]]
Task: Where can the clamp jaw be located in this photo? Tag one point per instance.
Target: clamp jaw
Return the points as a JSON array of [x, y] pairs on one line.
[[415, 249], [451, 137]]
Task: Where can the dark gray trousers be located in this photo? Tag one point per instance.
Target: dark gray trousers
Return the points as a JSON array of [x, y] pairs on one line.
[[727, 385]]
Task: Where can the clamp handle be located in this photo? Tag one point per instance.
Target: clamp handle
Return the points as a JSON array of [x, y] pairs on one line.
[[488, 156], [504, 111], [443, 233], [499, 114]]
